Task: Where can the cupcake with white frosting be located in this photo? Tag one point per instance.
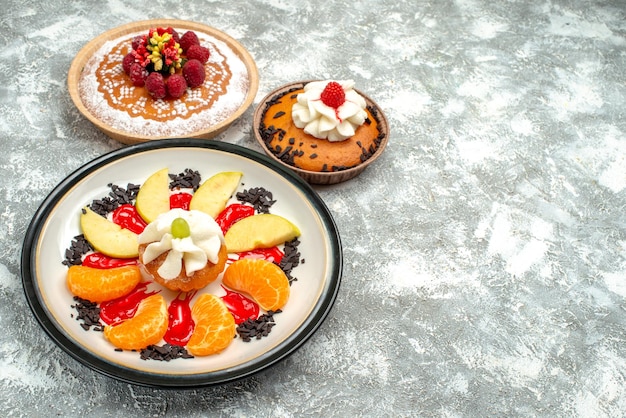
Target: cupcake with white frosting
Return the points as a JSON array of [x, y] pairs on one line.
[[182, 250]]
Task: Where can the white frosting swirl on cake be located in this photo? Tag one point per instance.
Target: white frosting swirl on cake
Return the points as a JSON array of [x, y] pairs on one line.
[[324, 122], [201, 246]]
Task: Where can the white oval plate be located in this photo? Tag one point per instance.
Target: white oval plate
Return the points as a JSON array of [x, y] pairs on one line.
[[56, 223]]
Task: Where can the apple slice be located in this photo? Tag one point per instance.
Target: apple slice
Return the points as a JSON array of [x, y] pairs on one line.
[[153, 197], [107, 237], [212, 195], [259, 231]]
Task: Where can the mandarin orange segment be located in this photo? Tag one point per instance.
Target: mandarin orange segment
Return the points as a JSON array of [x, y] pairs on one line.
[[215, 326], [101, 285], [147, 327], [263, 280]]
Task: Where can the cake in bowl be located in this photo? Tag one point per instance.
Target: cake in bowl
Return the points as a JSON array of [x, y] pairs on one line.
[[326, 131], [162, 78]]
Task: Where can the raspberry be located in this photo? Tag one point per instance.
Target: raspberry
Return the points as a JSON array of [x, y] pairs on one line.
[[194, 74], [137, 75], [176, 86], [199, 53], [155, 84], [128, 60], [189, 38], [175, 36], [333, 95], [137, 41]]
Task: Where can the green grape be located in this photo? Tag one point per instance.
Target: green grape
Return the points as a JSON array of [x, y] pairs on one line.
[[180, 228]]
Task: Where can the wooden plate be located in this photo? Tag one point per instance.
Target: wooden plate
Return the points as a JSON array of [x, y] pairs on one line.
[[206, 132]]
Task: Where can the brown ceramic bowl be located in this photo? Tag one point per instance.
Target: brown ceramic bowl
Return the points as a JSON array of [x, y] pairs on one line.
[[316, 177], [206, 132]]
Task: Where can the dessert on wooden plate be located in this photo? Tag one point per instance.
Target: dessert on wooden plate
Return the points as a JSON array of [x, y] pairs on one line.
[[325, 131], [162, 78]]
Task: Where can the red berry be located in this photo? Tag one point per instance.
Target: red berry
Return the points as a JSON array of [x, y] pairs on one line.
[[199, 53], [189, 38], [155, 84], [175, 36], [137, 75], [194, 74], [176, 86], [138, 41], [333, 95], [128, 60]]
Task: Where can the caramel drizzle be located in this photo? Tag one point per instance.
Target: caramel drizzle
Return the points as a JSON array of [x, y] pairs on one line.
[[119, 92]]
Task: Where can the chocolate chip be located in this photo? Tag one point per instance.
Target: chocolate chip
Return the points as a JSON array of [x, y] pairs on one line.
[[79, 246], [257, 328], [117, 196], [259, 197], [88, 313], [188, 179], [285, 151], [291, 258], [166, 352]]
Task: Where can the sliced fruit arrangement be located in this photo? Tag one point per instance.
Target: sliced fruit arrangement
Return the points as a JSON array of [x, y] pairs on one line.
[[265, 230], [212, 195], [263, 280], [107, 237], [101, 285], [215, 326], [147, 327], [103, 266], [153, 198]]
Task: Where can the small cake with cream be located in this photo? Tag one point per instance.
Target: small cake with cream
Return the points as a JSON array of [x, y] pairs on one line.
[[321, 126], [182, 250]]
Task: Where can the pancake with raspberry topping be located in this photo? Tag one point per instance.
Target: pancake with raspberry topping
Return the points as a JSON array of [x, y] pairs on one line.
[[115, 99]]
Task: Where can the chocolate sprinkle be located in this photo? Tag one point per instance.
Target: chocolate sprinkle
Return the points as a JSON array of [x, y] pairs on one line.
[[189, 179], [259, 197], [285, 151], [257, 328], [78, 247], [291, 259], [88, 313], [165, 352], [279, 114], [117, 196]]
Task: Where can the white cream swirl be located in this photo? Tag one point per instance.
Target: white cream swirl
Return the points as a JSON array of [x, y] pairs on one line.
[[201, 246], [324, 122]]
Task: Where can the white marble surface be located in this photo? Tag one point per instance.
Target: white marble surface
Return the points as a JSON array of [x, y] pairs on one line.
[[485, 252]]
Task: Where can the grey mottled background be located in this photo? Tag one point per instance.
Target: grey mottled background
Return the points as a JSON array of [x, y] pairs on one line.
[[485, 252]]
